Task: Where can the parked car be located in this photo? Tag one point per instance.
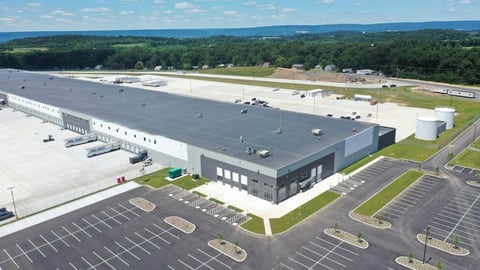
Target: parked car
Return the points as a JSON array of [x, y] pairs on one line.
[[6, 215], [393, 85]]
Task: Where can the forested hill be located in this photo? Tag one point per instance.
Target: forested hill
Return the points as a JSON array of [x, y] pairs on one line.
[[266, 31], [438, 55]]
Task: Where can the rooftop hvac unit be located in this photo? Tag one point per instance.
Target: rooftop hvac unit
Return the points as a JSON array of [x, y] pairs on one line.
[[263, 153], [317, 131]]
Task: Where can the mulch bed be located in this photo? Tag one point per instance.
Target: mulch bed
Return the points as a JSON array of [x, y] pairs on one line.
[[180, 223], [228, 249], [347, 237], [371, 221], [143, 204], [443, 246], [414, 264]]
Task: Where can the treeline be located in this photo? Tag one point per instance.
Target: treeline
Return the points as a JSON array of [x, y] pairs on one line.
[[439, 55]]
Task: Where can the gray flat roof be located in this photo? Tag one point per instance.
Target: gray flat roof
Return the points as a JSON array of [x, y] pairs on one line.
[[176, 117]]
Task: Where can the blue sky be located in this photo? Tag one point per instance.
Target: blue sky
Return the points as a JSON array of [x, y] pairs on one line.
[[46, 15]]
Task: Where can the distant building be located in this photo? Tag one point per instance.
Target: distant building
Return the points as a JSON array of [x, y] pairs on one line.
[[297, 66], [330, 68], [230, 65], [221, 66], [347, 70], [319, 67], [266, 64], [157, 68], [365, 71], [205, 67]]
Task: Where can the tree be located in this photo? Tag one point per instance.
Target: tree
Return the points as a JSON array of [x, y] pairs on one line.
[[477, 177], [449, 156], [220, 238], [380, 218], [455, 241], [139, 65], [336, 227], [440, 265], [359, 237], [237, 250], [410, 257]]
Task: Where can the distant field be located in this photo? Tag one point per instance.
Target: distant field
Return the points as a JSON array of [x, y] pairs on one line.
[[241, 71], [129, 45], [27, 50]]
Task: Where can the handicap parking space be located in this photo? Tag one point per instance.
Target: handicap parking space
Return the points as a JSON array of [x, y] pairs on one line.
[[322, 252], [399, 207], [204, 205], [364, 176], [459, 217]]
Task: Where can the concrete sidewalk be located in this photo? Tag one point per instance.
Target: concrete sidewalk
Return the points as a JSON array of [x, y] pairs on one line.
[[64, 209]]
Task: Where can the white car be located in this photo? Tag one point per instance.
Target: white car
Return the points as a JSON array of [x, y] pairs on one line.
[[147, 162]]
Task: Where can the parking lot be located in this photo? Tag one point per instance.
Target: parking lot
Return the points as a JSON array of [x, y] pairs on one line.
[[467, 173], [460, 217], [323, 252], [364, 176], [205, 206], [114, 234], [416, 193]]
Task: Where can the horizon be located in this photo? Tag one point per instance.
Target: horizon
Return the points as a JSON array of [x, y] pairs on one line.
[[109, 15]]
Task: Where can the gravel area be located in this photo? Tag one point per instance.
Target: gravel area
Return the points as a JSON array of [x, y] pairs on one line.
[[228, 249], [443, 246], [347, 237], [414, 264], [143, 204], [371, 221], [181, 224]]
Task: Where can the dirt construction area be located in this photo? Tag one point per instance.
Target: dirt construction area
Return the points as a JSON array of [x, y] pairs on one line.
[[45, 174]]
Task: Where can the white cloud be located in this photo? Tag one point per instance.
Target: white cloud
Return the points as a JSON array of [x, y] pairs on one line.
[[127, 12], [47, 17], [184, 5], [465, 2], [289, 10], [34, 4], [268, 7], [61, 12], [168, 11], [130, 1], [250, 4], [326, 1], [99, 9], [158, 1], [231, 13]]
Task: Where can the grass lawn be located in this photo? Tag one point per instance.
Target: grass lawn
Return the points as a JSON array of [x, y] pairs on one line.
[[468, 158], [476, 144], [217, 201], [388, 193], [240, 71], [236, 209], [294, 217], [157, 180], [254, 224]]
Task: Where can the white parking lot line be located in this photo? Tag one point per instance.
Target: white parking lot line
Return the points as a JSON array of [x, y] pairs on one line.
[[117, 256], [201, 262], [11, 259], [184, 263], [129, 210], [466, 212], [326, 249], [73, 266], [110, 217], [88, 263], [36, 248], [103, 261], [59, 238], [101, 221], [48, 243], [120, 213], [127, 251], [25, 254], [330, 259], [157, 236], [215, 258], [71, 234], [147, 240], [316, 262], [166, 230], [286, 266], [81, 229], [138, 245], [91, 225]]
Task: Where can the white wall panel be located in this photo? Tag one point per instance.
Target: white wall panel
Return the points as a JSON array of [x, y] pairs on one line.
[[34, 105], [358, 141], [155, 142]]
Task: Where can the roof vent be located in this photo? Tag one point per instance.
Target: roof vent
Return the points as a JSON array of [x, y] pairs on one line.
[[244, 111], [143, 104], [200, 115], [279, 130], [317, 131], [263, 153]]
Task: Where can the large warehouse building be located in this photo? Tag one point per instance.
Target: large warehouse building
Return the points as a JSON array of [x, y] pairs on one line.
[[269, 153]]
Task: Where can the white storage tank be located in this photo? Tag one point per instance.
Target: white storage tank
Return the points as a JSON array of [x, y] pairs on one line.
[[445, 114], [426, 128]]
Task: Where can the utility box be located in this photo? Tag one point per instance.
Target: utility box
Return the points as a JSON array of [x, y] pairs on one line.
[[174, 173]]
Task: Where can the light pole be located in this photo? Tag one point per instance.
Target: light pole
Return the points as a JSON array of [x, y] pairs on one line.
[[474, 133], [13, 200], [425, 248]]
